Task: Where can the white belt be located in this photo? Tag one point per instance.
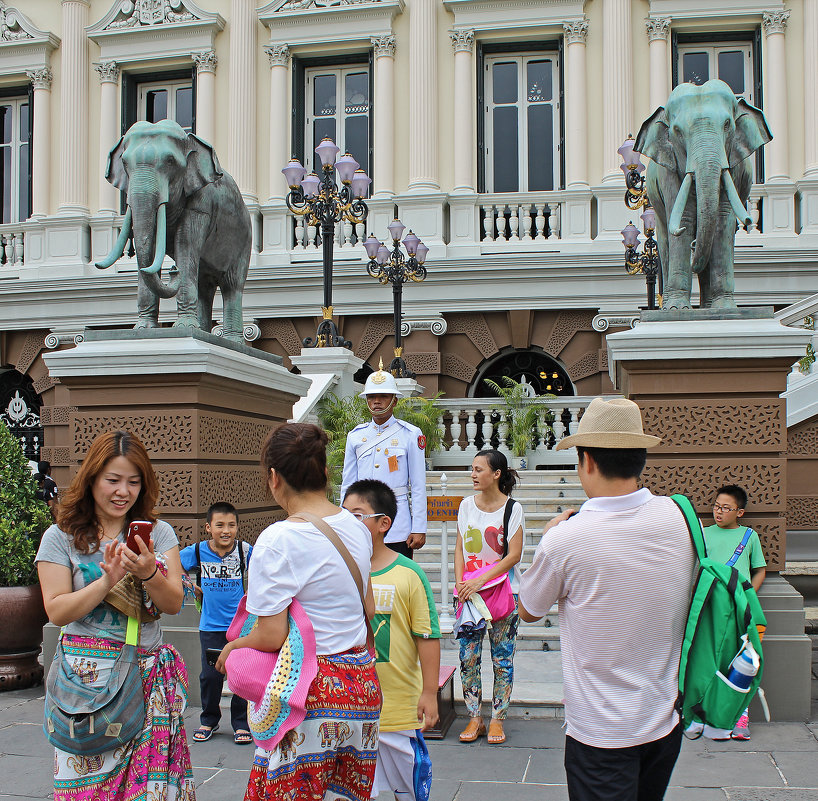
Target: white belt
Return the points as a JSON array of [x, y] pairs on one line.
[[400, 491]]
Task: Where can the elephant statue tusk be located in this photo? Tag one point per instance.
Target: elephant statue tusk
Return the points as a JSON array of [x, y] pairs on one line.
[[679, 206], [161, 232], [119, 246], [735, 201]]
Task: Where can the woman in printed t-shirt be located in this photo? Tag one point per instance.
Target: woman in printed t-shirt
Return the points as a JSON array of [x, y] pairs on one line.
[[480, 537], [332, 753]]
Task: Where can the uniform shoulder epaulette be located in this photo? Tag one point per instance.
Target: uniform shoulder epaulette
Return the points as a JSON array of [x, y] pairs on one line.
[[360, 425], [409, 426]]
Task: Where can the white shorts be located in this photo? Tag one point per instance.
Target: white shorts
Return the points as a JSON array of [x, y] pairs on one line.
[[395, 768]]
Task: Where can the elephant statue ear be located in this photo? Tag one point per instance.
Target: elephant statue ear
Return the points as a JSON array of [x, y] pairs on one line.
[[653, 140], [202, 165], [115, 173], [751, 132]]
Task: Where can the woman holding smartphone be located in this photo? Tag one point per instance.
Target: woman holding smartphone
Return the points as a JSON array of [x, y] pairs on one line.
[[80, 559]]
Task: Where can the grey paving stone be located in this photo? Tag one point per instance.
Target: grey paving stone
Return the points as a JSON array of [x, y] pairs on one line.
[[522, 733], [25, 739], [708, 769], [492, 791], [481, 762], [442, 790], [768, 737], [695, 794], [800, 769], [14, 698], [27, 776], [545, 767], [753, 794], [222, 785]]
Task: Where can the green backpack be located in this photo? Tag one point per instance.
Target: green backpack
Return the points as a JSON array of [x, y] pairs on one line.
[[724, 608]]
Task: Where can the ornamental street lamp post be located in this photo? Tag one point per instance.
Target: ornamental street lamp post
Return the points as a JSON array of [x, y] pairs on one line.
[[321, 201], [636, 197], [395, 268]]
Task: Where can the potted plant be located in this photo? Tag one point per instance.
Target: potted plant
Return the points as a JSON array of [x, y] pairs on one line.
[[522, 418], [23, 519]]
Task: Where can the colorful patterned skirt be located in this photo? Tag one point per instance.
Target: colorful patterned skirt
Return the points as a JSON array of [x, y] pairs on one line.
[[332, 754], [156, 763]]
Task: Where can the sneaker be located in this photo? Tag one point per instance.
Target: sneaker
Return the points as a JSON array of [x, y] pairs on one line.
[[742, 728]]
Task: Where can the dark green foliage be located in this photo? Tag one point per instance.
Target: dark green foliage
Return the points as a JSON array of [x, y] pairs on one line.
[[23, 518]]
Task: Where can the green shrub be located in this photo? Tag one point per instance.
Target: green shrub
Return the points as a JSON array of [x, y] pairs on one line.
[[522, 417], [23, 518]]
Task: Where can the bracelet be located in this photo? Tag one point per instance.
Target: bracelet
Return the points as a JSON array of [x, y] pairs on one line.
[[155, 571]]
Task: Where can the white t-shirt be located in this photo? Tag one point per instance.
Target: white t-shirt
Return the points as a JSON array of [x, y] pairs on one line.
[[621, 570], [482, 534], [295, 560]]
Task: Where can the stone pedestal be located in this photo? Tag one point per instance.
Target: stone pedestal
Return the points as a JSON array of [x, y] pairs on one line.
[[330, 370], [711, 389], [201, 405], [409, 387]]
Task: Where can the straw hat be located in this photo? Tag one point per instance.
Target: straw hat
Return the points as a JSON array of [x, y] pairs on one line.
[[616, 423]]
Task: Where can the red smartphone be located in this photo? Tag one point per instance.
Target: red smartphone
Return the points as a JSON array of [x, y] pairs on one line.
[[141, 527]]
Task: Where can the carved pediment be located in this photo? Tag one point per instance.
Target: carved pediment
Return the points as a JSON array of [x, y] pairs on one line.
[[309, 5], [135, 14], [23, 46]]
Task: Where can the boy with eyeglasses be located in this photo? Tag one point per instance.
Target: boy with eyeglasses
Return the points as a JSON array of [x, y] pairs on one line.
[[734, 544], [407, 645]]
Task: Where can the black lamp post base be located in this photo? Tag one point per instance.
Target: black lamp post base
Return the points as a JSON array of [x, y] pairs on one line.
[[399, 369], [327, 336]]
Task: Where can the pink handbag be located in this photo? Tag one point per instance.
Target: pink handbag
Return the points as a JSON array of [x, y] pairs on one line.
[[496, 593]]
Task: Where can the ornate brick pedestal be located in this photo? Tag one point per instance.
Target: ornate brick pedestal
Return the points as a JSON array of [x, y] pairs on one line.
[[710, 388], [201, 406]]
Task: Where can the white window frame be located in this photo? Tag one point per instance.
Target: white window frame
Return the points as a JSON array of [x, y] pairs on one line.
[[311, 160], [522, 59], [170, 87], [713, 49], [16, 145]]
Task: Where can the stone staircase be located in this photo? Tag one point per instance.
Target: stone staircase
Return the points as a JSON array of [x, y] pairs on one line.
[[543, 493]]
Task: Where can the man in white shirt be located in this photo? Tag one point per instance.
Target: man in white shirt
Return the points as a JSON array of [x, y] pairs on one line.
[[621, 569]]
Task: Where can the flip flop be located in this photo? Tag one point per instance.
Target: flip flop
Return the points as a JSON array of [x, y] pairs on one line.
[[242, 737], [204, 733]]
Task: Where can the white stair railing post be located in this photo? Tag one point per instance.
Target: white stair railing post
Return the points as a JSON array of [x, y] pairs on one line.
[[471, 432], [444, 613], [456, 428]]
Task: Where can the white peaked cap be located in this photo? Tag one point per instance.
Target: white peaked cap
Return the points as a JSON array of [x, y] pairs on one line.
[[381, 383]]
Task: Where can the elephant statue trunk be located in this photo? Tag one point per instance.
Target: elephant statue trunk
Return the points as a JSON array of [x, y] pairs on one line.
[[118, 250], [707, 168]]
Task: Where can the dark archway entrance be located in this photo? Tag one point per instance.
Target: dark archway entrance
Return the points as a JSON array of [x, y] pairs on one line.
[[20, 412], [543, 373]]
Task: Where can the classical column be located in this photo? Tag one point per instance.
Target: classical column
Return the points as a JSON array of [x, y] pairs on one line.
[[41, 140], [423, 96], [777, 152], [279, 55], [108, 127], [241, 142], [463, 140], [658, 30], [576, 104], [617, 84], [383, 123], [73, 159], [810, 96], [206, 62]]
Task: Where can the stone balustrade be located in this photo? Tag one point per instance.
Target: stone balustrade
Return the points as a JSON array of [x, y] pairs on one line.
[[12, 246], [525, 218]]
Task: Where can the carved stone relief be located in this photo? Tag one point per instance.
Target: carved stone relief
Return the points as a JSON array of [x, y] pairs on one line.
[[56, 415], [34, 343], [567, 324], [284, 331], [475, 327], [803, 440], [423, 363], [748, 426], [586, 366], [44, 382], [244, 486], [772, 535], [802, 512], [376, 329], [175, 488], [451, 364], [224, 436], [59, 457], [160, 433]]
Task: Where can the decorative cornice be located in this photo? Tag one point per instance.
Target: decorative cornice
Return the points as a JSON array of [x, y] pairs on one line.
[[436, 325], [383, 45], [205, 61], [57, 338], [144, 13], [279, 55], [108, 71], [250, 331], [602, 322], [657, 28], [576, 32], [40, 79], [462, 40], [313, 5], [774, 22], [17, 29]]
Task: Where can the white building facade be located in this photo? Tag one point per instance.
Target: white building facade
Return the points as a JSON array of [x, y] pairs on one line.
[[489, 128]]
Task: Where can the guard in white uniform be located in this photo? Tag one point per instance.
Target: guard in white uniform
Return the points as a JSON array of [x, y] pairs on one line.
[[392, 451]]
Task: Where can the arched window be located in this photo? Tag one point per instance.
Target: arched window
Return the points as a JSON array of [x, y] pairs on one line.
[[544, 374], [20, 412]]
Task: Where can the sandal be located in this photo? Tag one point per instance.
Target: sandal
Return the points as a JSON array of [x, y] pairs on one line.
[[475, 729], [242, 737], [204, 733], [496, 733]]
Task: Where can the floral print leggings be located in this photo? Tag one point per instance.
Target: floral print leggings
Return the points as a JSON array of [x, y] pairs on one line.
[[503, 643]]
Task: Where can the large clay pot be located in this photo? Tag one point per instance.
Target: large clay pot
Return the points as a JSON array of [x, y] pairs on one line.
[[21, 637]]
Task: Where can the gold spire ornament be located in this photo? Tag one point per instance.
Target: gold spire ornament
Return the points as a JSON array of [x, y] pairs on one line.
[[380, 376]]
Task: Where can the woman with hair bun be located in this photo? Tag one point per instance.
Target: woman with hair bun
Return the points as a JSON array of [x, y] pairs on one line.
[[333, 751], [480, 543]]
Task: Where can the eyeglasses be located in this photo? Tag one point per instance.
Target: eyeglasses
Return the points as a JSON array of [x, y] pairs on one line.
[[717, 507], [362, 517]]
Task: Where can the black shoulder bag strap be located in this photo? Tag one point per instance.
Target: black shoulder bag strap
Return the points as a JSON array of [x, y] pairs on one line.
[[241, 564], [197, 570], [506, 521]]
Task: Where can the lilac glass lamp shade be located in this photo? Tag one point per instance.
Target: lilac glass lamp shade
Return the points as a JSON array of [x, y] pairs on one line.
[[383, 255], [360, 184], [411, 242], [630, 236], [327, 151], [422, 250], [629, 155], [310, 185], [372, 245], [396, 229], [293, 173], [648, 219], [345, 167]]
